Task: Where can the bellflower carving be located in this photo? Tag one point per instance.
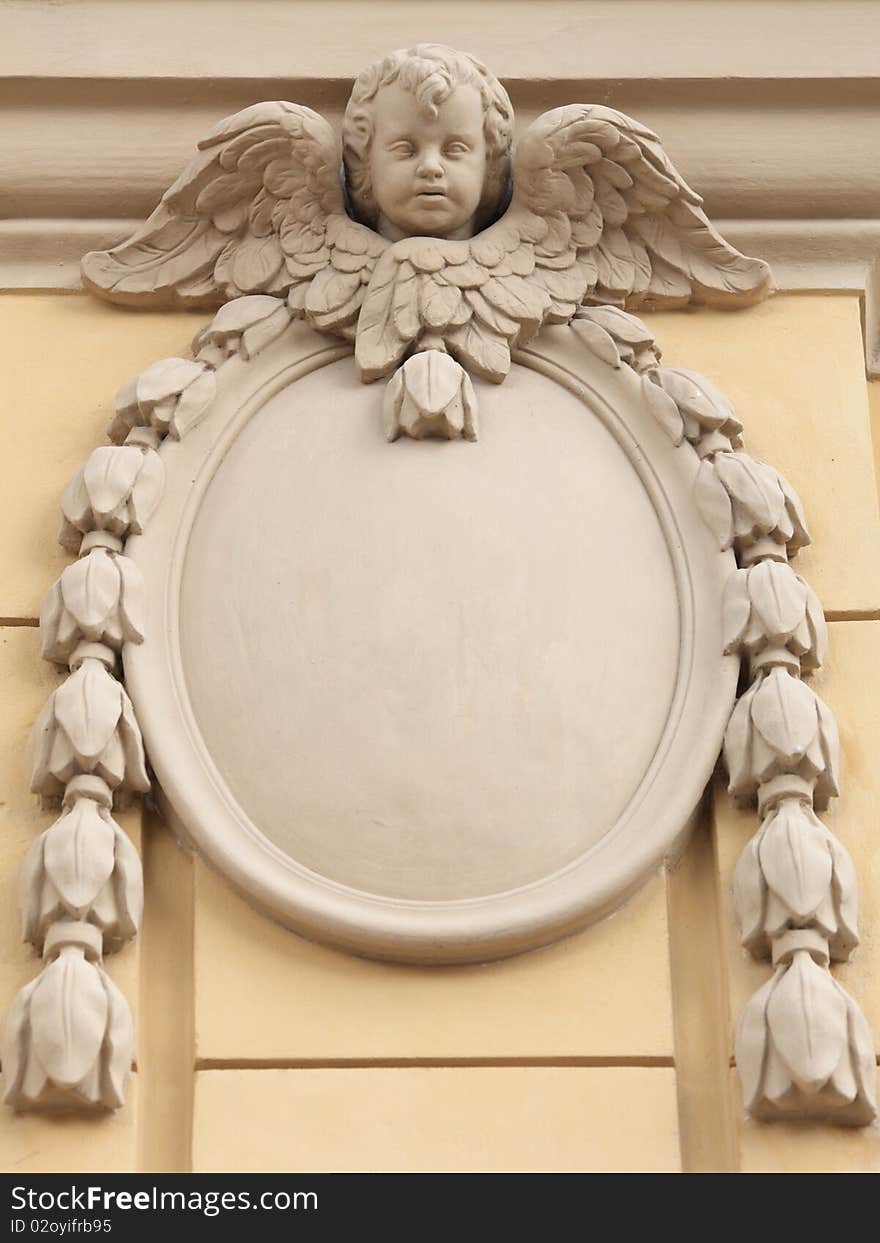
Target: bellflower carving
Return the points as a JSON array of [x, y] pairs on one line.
[[795, 874], [751, 507], [771, 614], [82, 868], [88, 726], [116, 492], [781, 728], [245, 326], [170, 396], [100, 599], [430, 395], [68, 1040], [803, 1047]]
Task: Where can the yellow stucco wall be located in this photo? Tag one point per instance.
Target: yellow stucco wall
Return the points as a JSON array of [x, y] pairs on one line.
[[610, 1051]]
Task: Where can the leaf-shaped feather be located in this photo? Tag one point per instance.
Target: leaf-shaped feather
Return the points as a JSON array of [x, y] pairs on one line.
[[807, 1020], [68, 1015], [523, 300], [256, 261], [329, 291], [490, 315], [379, 343], [715, 267], [439, 305], [482, 349]]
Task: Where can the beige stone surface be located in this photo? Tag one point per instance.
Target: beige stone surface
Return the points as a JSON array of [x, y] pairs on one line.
[[263, 992], [848, 684], [874, 407], [794, 369], [66, 358], [473, 1119], [64, 1143], [804, 1148]]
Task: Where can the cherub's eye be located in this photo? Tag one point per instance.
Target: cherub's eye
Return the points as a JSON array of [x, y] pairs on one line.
[[403, 149], [456, 148]]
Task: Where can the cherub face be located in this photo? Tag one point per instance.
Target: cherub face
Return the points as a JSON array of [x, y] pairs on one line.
[[427, 172]]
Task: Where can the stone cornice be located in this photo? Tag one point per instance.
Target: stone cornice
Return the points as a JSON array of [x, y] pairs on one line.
[[772, 112]]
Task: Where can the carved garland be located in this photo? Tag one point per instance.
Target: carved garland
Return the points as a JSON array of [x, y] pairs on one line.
[[803, 1047]]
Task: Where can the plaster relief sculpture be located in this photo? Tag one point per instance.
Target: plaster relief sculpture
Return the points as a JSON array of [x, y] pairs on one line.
[[597, 214], [385, 724]]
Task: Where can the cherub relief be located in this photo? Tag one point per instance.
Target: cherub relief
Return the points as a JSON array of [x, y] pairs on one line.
[[429, 231]]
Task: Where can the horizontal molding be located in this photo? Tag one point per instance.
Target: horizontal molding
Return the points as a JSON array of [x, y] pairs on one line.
[[771, 110], [753, 150], [807, 256], [623, 39]]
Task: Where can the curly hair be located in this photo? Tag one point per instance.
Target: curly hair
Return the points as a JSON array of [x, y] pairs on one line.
[[431, 72]]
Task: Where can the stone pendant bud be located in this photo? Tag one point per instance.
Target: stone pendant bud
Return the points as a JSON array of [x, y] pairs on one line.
[[88, 726], [68, 1041], [618, 336], [171, 396], [701, 414], [803, 1048], [82, 868], [771, 614], [116, 491], [243, 326], [430, 395], [795, 874], [781, 728], [750, 507], [98, 599]]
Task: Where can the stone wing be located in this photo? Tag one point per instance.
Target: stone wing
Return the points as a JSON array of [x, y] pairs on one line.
[[259, 210]]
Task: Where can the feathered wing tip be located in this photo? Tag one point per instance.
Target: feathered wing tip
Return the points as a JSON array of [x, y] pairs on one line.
[[259, 210], [638, 230]]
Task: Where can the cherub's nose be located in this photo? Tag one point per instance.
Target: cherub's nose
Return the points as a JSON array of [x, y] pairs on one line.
[[430, 163]]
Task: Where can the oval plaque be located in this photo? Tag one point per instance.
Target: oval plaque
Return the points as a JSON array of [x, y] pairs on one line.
[[431, 701]]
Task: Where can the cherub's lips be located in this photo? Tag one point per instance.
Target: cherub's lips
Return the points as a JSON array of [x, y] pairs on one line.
[[431, 196]]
